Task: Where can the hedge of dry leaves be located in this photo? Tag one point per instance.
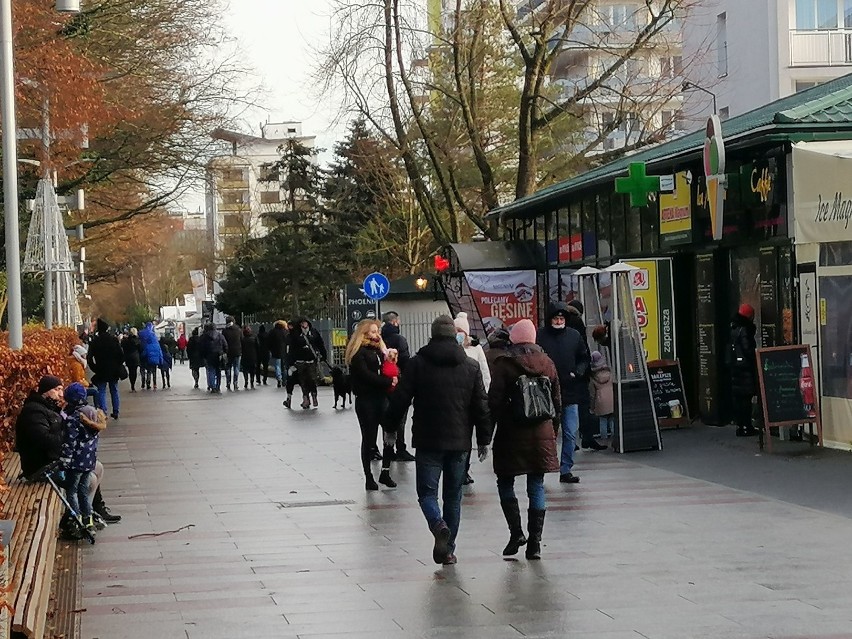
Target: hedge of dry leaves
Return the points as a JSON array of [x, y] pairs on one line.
[[44, 353]]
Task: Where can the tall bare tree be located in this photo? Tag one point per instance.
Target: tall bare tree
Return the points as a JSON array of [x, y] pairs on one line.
[[495, 98]]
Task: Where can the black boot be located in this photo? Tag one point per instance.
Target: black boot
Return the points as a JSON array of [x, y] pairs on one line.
[[512, 513], [385, 478], [534, 527], [100, 507]]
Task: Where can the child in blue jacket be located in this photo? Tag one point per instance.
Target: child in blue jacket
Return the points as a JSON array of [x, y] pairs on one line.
[[79, 450]]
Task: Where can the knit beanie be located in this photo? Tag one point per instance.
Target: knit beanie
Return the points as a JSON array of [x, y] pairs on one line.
[[48, 383], [462, 323], [75, 393], [598, 360], [523, 332], [747, 311], [443, 326]]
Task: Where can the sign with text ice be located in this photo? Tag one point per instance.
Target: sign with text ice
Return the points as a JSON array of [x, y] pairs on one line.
[[653, 297], [822, 196], [503, 297]]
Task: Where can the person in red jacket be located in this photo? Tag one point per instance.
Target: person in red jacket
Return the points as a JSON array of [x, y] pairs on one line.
[[182, 343], [390, 367]]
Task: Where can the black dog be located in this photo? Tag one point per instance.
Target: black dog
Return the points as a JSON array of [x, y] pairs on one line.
[[341, 385]]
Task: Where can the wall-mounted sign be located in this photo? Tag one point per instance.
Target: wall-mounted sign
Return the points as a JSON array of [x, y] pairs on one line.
[[714, 170], [822, 196], [638, 185], [676, 212]]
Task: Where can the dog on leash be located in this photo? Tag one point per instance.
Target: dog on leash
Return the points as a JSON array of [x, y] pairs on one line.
[[342, 387]]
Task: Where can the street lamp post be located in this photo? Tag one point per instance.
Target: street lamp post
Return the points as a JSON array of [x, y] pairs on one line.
[[10, 178], [10, 168]]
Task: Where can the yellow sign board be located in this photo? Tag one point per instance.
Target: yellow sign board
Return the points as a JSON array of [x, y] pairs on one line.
[[676, 212]]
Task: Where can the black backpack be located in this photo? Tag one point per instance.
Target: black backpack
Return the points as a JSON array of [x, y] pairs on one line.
[[531, 400]]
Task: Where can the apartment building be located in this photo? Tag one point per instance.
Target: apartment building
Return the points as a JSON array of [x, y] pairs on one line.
[[762, 50], [241, 186]]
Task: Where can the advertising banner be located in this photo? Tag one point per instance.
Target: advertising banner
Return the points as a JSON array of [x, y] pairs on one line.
[[676, 212], [503, 297], [358, 307], [199, 290], [822, 196], [653, 292]]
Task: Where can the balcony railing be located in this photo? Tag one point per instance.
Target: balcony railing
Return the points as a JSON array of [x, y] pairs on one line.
[[821, 48]]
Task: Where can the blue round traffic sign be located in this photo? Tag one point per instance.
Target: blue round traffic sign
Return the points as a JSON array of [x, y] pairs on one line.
[[376, 286]]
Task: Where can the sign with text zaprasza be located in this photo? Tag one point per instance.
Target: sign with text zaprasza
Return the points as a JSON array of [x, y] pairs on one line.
[[503, 298]]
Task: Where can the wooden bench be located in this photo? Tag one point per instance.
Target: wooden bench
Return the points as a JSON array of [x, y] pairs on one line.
[[36, 511]]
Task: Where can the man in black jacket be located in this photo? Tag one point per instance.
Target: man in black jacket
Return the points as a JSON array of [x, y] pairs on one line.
[[277, 342], [106, 359], [393, 339], [568, 350], [233, 336], [742, 363], [589, 424], [449, 399], [211, 346]]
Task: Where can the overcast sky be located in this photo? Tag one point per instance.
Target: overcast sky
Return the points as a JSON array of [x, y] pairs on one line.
[[276, 39]]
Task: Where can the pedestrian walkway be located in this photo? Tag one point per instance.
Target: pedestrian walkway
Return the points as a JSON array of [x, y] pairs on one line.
[[242, 519]]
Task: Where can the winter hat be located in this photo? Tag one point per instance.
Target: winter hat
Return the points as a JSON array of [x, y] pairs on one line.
[[134, 331], [79, 352], [598, 360], [443, 326], [102, 326], [48, 383], [461, 323], [75, 393], [577, 304], [747, 311], [523, 332], [501, 335]]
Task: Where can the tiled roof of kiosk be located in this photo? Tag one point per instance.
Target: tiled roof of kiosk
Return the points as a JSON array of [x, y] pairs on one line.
[[826, 105]]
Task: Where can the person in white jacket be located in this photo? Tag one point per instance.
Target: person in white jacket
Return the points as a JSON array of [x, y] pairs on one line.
[[477, 354]]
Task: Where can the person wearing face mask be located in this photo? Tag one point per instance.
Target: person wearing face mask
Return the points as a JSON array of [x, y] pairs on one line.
[[365, 356], [477, 354], [568, 350]]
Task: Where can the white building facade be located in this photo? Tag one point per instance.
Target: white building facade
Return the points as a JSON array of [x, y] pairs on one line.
[[758, 51], [241, 186]]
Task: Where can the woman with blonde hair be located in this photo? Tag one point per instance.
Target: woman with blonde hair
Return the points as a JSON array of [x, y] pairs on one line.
[[365, 355]]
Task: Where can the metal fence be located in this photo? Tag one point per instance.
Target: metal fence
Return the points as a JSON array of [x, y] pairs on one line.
[[331, 324]]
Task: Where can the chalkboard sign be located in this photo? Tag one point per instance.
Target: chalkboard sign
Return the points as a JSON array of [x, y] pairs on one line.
[[787, 388], [667, 391]]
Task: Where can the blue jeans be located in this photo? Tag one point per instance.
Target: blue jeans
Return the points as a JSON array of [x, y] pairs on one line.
[[430, 464], [607, 425], [276, 366], [535, 489], [570, 424], [113, 395], [214, 375], [233, 367], [77, 491]]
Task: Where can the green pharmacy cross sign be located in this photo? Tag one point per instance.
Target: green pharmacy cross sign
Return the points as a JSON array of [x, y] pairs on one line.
[[638, 184]]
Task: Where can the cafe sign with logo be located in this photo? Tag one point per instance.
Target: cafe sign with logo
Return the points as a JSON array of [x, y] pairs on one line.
[[822, 192]]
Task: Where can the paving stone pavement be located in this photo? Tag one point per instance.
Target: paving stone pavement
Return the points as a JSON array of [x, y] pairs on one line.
[[276, 537]]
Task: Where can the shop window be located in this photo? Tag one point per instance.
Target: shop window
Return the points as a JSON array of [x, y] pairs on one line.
[[835, 294], [835, 254], [650, 229], [634, 230], [604, 235], [618, 218]]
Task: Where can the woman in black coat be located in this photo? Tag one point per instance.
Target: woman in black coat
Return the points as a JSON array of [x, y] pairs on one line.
[[743, 368], [248, 362], [193, 352], [132, 348], [365, 355]]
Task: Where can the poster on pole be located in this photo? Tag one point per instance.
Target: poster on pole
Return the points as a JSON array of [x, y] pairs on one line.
[[503, 298], [653, 297]]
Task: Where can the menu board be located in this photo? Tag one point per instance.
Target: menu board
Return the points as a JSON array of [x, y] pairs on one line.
[[787, 385], [667, 392], [705, 315], [768, 296]]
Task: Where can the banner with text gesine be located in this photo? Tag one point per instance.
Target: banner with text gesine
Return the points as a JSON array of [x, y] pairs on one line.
[[503, 297]]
